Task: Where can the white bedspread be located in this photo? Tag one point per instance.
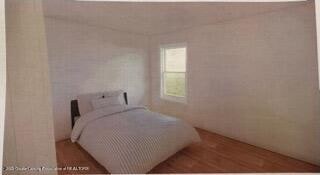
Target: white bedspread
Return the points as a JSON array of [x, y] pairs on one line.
[[130, 139]]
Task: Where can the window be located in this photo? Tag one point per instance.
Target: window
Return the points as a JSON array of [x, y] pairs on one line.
[[173, 72]]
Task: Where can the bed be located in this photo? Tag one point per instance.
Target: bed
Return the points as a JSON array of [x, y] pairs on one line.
[[125, 138]]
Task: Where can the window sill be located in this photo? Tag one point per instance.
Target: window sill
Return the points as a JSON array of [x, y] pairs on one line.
[[174, 99]]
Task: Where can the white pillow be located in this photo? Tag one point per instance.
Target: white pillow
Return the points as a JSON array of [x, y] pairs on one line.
[[118, 93], [85, 100], [105, 102]]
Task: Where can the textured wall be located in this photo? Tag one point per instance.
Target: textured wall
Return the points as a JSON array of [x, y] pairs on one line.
[[86, 59], [29, 137], [253, 79]]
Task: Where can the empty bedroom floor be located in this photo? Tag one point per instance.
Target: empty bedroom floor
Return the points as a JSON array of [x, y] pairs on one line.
[[215, 154]]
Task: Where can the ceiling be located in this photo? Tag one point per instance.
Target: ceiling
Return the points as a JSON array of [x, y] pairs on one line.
[[155, 18]]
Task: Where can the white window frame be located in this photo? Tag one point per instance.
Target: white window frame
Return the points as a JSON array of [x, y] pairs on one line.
[[162, 67]]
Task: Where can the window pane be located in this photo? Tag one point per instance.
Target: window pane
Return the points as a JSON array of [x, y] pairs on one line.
[[175, 60], [174, 84]]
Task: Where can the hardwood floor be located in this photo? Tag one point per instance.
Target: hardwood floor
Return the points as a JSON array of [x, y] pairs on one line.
[[215, 154]]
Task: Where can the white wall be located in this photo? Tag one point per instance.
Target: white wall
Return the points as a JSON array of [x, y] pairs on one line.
[[252, 79], [29, 138], [91, 59]]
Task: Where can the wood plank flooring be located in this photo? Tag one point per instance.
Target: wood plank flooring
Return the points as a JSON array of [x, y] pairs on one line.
[[215, 154]]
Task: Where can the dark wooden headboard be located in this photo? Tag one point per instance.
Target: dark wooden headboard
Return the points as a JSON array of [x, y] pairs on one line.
[[75, 108]]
